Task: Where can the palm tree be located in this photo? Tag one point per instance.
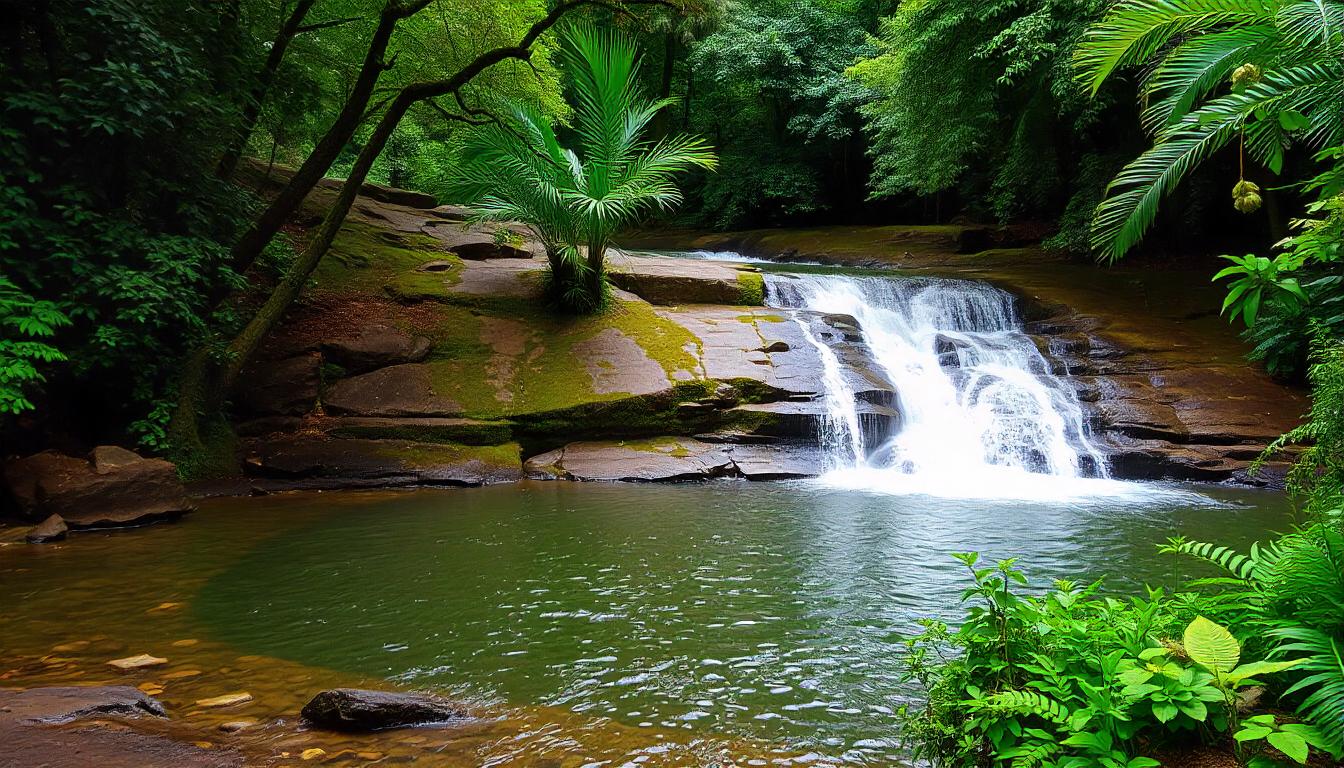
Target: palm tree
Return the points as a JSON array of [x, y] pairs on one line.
[[576, 200], [1284, 60]]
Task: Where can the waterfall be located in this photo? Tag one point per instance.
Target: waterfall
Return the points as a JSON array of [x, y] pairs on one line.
[[978, 401]]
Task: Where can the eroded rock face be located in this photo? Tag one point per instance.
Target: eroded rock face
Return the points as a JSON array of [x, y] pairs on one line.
[[113, 486], [306, 462], [352, 709], [397, 390], [375, 346], [285, 387], [670, 459]]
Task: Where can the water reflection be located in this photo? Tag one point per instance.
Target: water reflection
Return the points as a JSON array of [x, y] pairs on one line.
[[758, 610]]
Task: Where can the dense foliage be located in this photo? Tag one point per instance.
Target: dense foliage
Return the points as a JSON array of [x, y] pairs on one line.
[[113, 227], [979, 99]]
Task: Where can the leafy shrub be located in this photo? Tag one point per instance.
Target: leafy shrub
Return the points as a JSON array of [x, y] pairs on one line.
[[1069, 679]]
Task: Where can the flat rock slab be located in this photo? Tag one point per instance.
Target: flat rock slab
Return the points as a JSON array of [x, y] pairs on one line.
[[64, 704], [398, 390], [105, 746], [671, 281], [671, 459], [353, 709], [385, 462]]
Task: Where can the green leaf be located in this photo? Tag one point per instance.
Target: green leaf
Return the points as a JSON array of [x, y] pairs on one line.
[[1292, 120], [1257, 668], [1290, 744], [1211, 646], [1253, 732], [1165, 711]]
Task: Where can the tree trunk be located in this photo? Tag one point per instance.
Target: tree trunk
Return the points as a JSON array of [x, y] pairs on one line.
[[249, 247], [595, 276], [287, 290], [260, 87]]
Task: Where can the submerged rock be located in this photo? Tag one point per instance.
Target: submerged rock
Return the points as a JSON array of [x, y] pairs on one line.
[[64, 704], [113, 486], [51, 529], [353, 709]]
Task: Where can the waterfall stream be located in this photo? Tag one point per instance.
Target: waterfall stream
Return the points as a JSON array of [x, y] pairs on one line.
[[978, 404]]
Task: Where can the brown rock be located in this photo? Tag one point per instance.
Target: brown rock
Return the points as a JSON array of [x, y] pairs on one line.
[[479, 250], [385, 462], [51, 529], [351, 709], [672, 281], [57, 705], [398, 390], [227, 700], [280, 387], [113, 487], [140, 661], [375, 346]]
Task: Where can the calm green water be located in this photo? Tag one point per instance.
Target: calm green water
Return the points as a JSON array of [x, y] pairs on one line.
[[770, 611]]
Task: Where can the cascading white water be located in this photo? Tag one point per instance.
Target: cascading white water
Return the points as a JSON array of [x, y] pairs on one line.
[[978, 402]]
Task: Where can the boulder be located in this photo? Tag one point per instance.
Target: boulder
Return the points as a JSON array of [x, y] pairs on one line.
[[375, 346], [352, 709], [112, 487], [397, 390], [285, 387], [51, 529], [52, 706]]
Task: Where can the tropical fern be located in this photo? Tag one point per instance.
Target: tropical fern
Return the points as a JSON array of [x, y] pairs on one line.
[[1029, 703], [1324, 681]]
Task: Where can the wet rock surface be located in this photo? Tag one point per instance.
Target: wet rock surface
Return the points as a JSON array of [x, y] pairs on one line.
[[671, 281], [54, 706], [318, 462], [671, 459], [110, 487], [103, 726], [353, 709]]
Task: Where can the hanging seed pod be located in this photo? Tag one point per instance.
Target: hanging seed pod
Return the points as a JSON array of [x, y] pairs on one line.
[[1246, 196], [1245, 75]]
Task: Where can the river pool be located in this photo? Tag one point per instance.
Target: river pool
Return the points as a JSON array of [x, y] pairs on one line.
[[587, 624]]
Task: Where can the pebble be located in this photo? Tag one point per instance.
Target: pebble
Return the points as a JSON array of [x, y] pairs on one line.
[[72, 646], [227, 700], [313, 753], [136, 662], [150, 689], [182, 674], [234, 726], [185, 643]]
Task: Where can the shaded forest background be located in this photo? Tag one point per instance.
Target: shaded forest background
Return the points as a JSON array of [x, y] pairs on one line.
[[131, 260]]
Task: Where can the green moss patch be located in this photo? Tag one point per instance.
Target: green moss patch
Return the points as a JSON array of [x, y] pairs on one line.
[[752, 289], [364, 258]]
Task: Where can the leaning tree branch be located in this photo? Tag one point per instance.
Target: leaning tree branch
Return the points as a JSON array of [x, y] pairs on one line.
[[326, 24]]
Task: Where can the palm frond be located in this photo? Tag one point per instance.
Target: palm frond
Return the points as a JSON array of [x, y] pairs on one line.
[[1134, 30]]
